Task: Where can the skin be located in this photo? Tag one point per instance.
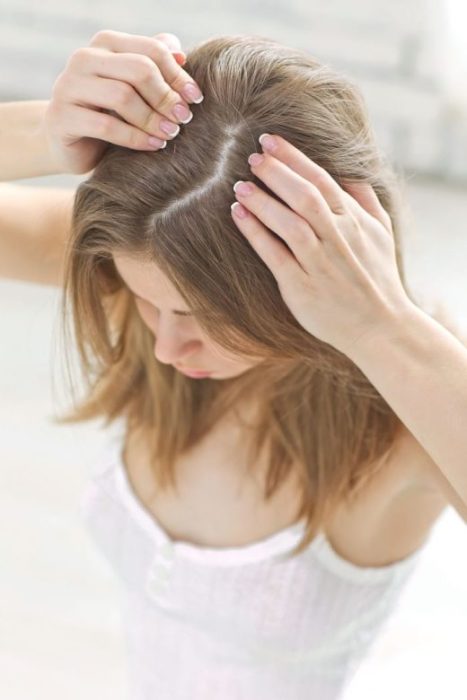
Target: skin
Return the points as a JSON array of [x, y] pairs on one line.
[[337, 272], [179, 339], [338, 275]]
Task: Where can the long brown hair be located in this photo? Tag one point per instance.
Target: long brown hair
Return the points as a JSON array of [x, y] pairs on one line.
[[317, 411]]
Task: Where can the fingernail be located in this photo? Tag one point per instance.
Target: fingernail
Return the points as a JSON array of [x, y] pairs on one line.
[[169, 127], [182, 113], [192, 93], [243, 188], [154, 142], [238, 210], [268, 142], [255, 159]]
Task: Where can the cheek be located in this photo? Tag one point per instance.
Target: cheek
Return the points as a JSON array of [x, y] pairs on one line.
[[148, 314], [220, 353]]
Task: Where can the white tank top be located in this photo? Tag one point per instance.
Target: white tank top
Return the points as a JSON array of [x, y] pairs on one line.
[[237, 623]]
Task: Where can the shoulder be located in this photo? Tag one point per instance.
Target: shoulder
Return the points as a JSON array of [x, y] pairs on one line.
[[410, 458], [392, 515], [423, 475]]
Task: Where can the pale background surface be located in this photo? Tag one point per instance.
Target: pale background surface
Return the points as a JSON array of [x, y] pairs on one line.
[[60, 632]]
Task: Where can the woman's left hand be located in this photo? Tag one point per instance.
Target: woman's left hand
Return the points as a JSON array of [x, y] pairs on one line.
[[338, 273]]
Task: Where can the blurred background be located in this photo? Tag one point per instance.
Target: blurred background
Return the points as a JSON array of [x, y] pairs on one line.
[[59, 601]]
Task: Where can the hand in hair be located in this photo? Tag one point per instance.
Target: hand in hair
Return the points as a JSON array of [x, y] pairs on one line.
[[337, 272], [121, 89]]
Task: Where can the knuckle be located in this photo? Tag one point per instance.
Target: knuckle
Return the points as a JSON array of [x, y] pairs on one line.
[[100, 37], [353, 224], [350, 235], [301, 230], [133, 139], [145, 70], [262, 204], [306, 196], [349, 226], [58, 85], [148, 121], [167, 97], [180, 80], [321, 178], [123, 93], [160, 49], [77, 57], [338, 208], [101, 124]]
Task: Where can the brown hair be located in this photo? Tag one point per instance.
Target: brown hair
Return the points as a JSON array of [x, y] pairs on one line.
[[317, 411]]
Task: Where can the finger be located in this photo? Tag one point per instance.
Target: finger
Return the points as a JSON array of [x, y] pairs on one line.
[[174, 44], [305, 167], [120, 98], [171, 40], [270, 249], [98, 125], [291, 228], [299, 194], [157, 51], [139, 72], [366, 197]]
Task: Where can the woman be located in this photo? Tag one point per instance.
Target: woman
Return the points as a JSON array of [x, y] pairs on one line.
[[253, 514]]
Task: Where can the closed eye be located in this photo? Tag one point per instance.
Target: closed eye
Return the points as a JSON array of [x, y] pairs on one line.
[[177, 313]]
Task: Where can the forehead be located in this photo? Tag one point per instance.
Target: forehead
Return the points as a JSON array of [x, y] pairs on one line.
[[145, 279]]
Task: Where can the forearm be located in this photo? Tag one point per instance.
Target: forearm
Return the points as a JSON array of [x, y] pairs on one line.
[[35, 224], [420, 369], [24, 152]]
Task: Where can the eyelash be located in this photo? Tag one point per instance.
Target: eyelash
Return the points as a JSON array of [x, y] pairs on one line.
[[177, 313]]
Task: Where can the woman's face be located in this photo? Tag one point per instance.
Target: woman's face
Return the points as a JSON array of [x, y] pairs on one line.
[[179, 340]]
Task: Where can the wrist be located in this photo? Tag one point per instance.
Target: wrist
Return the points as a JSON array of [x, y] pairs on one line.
[[393, 328]]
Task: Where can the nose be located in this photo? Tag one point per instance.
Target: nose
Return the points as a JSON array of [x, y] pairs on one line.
[[171, 344]]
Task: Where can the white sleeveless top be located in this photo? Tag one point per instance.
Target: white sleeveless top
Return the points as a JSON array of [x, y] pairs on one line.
[[237, 623]]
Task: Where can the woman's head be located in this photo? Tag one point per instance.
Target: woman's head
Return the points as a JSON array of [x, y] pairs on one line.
[[179, 340], [160, 225], [170, 210]]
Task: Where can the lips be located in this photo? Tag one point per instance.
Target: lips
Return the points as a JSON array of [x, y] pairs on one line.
[[189, 369], [193, 372]]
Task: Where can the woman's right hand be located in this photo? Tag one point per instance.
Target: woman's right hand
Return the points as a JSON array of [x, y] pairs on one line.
[[136, 78]]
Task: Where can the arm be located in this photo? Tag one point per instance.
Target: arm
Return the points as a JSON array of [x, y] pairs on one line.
[[24, 149], [420, 369], [34, 227], [339, 277]]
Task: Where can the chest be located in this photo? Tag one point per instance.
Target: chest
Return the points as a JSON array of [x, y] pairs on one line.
[[220, 503]]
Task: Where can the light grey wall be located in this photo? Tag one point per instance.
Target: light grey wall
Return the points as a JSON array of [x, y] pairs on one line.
[[391, 49]]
